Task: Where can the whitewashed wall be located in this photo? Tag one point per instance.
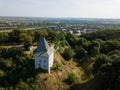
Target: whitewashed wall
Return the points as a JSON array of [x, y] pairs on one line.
[[41, 62]]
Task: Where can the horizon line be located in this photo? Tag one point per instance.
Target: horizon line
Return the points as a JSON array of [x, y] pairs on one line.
[[61, 17]]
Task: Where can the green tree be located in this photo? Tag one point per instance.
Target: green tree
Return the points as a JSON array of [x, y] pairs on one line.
[[72, 39], [80, 52], [95, 51], [28, 42], [68, 53], [22, 86], [99, 61], [110, 45], [71, 78], [23, 37], [2, 73], [14, 36], [3, 37]]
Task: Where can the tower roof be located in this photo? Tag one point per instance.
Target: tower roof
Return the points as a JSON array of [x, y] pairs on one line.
[[42, 46]]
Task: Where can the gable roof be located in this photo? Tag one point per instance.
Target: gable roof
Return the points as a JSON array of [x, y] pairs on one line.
[[43, 48]]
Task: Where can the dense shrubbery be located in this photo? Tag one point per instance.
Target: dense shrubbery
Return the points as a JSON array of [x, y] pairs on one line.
[[16, 70], [68, 53], [104, 50], [107, 69], [71, 78]]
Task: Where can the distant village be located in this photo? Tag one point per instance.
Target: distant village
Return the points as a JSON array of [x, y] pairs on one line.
[[75, 26]]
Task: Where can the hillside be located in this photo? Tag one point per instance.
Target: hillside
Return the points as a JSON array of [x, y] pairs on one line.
[[60, 71], [81, 63]]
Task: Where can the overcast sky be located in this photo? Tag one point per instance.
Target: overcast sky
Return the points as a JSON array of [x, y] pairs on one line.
[[61, 8]]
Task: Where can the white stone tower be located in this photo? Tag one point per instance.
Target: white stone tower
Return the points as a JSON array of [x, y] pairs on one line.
[[44, 55]]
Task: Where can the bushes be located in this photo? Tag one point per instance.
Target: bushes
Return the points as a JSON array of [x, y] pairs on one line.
[[56, 67], [71, 78], [3, 37], [68, 53], [16, 66], [79, 52], [107, 70], [99, 61], [22, 86], [110, 45], [104, 35]]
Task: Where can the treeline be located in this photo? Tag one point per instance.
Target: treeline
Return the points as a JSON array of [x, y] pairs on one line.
[[30, 36], [103, 34]]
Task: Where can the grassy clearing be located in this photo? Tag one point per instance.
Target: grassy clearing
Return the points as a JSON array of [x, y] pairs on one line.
[[31, 51]]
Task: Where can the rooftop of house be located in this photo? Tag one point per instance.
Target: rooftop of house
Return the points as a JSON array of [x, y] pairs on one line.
[[43, 48]]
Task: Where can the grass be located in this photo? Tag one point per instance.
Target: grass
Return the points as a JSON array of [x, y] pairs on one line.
[[6, 46], [31, 51]]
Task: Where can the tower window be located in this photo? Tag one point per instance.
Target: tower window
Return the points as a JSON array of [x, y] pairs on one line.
[[40, 61], [44, 61]]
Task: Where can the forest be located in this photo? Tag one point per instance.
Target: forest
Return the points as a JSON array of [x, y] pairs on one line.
[[100, 50]]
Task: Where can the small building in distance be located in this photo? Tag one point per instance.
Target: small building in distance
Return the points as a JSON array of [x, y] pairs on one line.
[[44, 55], [71, 31], [83, 31], [77, 33], [80, 32]]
